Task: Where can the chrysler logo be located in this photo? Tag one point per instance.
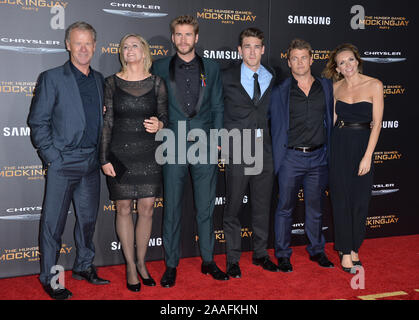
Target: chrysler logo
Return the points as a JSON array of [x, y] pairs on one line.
[[32, 50], [133, 14]]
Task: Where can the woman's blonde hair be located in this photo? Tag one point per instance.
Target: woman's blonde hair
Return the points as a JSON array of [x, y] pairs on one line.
[[330, 70], [144, 46]]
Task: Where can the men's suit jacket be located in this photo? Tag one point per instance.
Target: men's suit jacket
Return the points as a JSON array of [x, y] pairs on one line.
[[209, 109], [57, 119], [279, 114], [239, 110]]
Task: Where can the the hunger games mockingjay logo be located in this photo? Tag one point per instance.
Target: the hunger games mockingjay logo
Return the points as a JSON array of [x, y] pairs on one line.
[[34, 5], [361, 21], [226, 16]]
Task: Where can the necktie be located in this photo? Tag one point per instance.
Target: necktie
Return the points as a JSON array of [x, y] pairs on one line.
[[256, 89]]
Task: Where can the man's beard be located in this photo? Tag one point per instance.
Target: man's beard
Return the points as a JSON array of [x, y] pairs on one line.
[[184, 52]]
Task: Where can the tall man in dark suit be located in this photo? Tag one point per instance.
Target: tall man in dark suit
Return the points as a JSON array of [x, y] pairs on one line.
[[301, 114], [195, 102], [247, 91], [66, 121]]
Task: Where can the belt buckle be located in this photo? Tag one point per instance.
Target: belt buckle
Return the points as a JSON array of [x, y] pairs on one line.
[[305, 149], [341, 124]]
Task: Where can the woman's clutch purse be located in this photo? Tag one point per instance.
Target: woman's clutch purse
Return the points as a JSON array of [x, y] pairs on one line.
[[119, 167]]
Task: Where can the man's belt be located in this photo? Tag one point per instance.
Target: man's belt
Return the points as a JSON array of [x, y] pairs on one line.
[[306, 149]]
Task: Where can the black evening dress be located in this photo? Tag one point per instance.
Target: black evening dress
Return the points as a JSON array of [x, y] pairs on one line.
[[125, 142], [350, 193]]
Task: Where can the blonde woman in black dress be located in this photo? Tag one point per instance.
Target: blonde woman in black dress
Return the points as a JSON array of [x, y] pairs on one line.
[[136, 108], [359, 106]]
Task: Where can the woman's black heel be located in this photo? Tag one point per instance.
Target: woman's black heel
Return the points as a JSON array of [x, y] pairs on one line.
[[348, 270], [147, 282]]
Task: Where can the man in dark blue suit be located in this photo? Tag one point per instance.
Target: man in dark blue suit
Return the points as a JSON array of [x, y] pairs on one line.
[[66, 122], [301, 113]]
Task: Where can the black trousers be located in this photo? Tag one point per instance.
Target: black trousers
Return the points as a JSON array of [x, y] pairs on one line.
[[260, 201]]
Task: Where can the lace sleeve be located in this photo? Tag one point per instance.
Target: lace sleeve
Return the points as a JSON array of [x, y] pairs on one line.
[[161, 93], [107, 120]]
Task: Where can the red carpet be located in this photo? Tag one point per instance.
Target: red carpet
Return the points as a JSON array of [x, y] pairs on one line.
[[391, 273]]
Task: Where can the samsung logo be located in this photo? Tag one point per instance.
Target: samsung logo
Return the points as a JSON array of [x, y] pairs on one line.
[[222, 200], [153, 242], [309, 20], [394, 124], [16, 131], [218, 54]]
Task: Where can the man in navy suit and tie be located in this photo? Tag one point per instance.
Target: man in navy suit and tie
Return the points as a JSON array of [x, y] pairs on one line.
[[66, 121], [301, 113]]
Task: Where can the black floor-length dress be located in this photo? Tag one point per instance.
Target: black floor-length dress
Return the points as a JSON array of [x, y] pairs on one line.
[[350, 193]]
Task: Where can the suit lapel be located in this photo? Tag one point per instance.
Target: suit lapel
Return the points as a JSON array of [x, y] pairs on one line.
[[272, 72], [202, 81], [99, 86], [286, 100], [172, 67], [238, 78]]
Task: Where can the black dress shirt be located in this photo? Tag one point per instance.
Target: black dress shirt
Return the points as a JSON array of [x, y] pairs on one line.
[[187, 82], [307, 116], [90, 98]]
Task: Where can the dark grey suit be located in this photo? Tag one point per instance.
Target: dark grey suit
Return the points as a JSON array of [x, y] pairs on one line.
[[58, 123], [241, 113]]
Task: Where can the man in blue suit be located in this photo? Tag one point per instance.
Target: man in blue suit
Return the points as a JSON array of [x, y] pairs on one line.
[[301, 113], [66, 121]]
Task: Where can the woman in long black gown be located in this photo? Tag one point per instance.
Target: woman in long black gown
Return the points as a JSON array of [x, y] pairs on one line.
[[136, 108], [359, 106]]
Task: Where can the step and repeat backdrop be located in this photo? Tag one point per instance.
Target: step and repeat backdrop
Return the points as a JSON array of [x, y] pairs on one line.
[[32, 40]]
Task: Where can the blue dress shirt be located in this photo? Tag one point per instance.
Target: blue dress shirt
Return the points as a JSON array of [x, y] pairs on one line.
[[247, 79]]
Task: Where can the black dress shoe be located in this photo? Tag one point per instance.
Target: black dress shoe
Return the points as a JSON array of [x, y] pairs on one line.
[[212, 269], [266, 264], [147, 281], [284, 264], [169, 278], [134, 287], [322, 260], [58, 294], [89, 275], [233, 270]]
